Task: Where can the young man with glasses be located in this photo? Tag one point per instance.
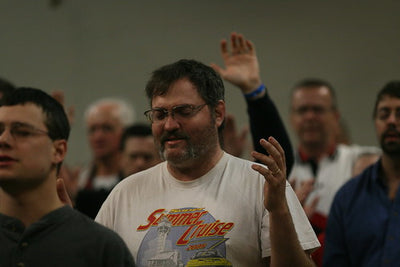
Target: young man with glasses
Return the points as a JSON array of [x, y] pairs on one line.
[[202, 201], [36, 229]]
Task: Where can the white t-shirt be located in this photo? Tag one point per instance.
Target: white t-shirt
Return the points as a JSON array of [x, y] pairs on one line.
[[333, 171], [165, 220]]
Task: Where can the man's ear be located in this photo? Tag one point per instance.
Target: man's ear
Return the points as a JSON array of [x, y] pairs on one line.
[[59, 151], [220, 113]]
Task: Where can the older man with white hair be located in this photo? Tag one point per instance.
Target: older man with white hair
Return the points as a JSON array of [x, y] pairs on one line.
[[105, 121]]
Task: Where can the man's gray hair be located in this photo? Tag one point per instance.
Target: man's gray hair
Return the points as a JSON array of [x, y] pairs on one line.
[[124, 111]]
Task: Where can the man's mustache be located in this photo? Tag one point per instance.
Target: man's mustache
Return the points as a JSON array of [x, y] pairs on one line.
[[173, 135]]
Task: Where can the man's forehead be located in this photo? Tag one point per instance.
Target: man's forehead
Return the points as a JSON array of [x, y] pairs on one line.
[[29, 113], [312, 90], [182, 91], [105, 118], [312, 97], [389, 100]]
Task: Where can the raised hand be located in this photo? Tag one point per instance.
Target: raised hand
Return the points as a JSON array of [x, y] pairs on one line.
[[241, 64]]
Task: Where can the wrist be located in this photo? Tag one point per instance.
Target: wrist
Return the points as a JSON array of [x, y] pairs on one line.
[[259, 91]]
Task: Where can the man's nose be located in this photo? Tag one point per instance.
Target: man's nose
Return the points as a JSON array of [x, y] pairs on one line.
[[5, 137], [170, 122]]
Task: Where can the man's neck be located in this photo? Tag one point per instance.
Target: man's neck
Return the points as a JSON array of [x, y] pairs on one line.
[[30, 205], [195, 168]]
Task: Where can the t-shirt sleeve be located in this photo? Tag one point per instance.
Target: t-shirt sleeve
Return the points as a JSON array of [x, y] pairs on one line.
[[307, 238], [105, 216]]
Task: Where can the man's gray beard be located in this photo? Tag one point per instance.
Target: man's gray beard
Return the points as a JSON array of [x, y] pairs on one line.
[[189, 153], [193, 151]]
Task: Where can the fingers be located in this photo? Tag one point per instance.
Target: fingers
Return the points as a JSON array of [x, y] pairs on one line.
[[234, 44], [250, 47], [241, 41], [240, 45], [276, 159], [224, 50]]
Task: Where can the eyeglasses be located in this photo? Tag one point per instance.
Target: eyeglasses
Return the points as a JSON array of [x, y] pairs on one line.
[[22, 131], [181, 113]]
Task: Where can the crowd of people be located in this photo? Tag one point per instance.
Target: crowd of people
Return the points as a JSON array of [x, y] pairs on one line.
[[176, 191]]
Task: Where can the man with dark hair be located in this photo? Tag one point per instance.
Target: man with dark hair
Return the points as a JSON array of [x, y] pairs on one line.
[[36, 229], [201, 201], [138, 151], [363, 225]]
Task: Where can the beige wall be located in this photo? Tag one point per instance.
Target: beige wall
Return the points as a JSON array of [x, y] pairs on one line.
[[99, 48]]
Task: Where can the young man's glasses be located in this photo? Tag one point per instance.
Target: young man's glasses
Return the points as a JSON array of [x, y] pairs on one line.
[[181, 112], [22, 131]]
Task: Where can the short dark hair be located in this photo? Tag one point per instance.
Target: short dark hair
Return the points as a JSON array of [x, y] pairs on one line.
[[391, 89], [315, 83], [56, 120], [135, 130], [6, 88], [207, 82]]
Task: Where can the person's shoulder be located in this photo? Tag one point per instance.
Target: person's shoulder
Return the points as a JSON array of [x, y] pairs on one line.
[[139, 177], [88, 226], [358, 149], [240, 163], [108, 243], [241, 168], [361, 182], [232, 158]]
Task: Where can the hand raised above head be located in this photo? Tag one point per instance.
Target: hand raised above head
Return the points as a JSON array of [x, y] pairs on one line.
[[241, 63]]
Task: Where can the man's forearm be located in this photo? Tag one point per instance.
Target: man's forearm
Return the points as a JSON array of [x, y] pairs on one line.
[[285, 247]]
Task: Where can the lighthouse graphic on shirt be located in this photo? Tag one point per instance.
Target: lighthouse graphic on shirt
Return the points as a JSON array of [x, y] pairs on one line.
[[183, 237]]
